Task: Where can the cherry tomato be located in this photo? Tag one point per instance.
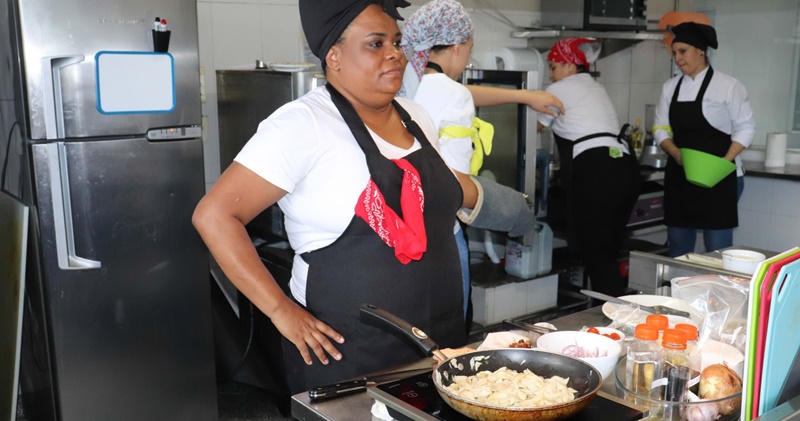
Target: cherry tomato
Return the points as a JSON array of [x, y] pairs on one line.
[[615, 336], [593, 330]]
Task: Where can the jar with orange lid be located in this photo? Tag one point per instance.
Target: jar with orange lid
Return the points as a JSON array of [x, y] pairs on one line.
[[658, 320], [675, 364], [692, 352], [643, 363]]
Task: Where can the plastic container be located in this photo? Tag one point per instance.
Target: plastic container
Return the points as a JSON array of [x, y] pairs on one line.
[[532, 257], [705, 169], [744, 261], [643, 363]]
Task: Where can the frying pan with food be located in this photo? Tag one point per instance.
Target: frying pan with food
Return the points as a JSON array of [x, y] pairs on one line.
[[583, 377]]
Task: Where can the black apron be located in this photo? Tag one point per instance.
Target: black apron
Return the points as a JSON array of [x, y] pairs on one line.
[[687, 205], [567, 171], [360, 268], [600, 192]]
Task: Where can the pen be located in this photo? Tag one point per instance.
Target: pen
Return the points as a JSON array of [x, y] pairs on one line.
[[157, 24], [163, 25]]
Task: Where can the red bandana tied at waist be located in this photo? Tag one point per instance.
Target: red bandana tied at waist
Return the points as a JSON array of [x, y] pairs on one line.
[[407, 236]]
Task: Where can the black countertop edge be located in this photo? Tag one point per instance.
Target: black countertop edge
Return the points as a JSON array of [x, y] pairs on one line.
[[757, 169]]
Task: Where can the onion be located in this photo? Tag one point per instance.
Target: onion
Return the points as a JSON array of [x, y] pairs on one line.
[[718, 381]]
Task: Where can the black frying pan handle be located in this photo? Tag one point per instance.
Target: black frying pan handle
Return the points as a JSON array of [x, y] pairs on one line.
[[420, 338]]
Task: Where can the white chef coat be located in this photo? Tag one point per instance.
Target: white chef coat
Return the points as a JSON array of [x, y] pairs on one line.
[[725, 106], [449, 103], [589, 110]]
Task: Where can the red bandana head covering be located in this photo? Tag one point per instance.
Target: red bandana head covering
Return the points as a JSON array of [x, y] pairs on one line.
[[566, 51], [407, 236]]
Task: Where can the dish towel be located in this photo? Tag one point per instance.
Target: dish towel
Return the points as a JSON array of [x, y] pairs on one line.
[[380, 411]]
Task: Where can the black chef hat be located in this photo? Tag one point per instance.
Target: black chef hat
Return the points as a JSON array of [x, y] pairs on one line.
[[695, 34], [324, 20]]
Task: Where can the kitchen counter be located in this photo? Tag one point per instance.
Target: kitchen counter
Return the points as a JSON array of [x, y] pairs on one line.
[[757, 169], [358, 406]]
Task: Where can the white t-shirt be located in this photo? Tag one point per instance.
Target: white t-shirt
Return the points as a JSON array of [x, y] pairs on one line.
[[306, 148], [725, 106], [449, 103], [589, 110]]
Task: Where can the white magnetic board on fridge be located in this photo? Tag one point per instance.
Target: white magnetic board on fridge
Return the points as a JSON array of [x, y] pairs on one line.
[[131, 82]]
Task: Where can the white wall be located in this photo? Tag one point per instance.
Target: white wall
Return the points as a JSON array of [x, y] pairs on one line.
[[758, 42], [235, 33], [757, 45]]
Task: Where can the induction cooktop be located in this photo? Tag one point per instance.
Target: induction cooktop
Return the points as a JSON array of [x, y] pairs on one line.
[[415, 398]]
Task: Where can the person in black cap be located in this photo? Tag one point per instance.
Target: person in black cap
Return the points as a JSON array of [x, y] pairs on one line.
[[369, 206], [709, 111]]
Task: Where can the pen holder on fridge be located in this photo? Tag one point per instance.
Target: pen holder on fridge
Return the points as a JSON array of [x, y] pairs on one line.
[[161, 41]]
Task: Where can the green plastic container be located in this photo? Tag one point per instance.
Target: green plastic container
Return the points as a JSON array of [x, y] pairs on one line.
[[704, 169]]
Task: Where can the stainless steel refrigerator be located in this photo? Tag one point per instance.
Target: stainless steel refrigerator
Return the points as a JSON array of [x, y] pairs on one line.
[[101, 137]]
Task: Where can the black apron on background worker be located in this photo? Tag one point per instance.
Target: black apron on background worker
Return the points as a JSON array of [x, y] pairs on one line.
[[427, 293], [601, 186], [687, 205]]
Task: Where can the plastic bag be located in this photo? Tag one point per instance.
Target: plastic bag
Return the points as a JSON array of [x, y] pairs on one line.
[[721, 301]]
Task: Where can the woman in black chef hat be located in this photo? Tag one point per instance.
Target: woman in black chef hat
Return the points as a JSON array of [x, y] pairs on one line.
[[709, 111], [369, 206]]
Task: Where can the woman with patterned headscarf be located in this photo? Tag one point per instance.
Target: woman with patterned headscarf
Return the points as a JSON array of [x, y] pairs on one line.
[[599, 174], [437, 40], [369, 206]]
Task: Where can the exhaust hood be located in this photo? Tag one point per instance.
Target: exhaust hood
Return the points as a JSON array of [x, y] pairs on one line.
[[543, 39]]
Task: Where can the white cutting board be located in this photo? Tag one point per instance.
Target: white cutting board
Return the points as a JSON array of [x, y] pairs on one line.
[[13, 250]]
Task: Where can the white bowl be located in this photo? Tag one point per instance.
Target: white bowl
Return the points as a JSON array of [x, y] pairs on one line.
[[557, 342], [744, 261], [716, 352]]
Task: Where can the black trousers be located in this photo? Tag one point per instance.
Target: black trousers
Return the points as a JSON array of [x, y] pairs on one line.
[[604, 190]]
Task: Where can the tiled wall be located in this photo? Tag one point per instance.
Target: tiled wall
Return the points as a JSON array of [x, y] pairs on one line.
[[769, 215]]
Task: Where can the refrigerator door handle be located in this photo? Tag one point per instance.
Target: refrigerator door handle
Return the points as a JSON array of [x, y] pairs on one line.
[[62, 211], [51, 90]]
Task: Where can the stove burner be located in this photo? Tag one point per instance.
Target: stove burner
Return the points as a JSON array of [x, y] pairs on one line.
[[416, 398]]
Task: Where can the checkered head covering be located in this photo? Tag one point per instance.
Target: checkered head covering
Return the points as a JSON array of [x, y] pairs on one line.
[[438, 22]]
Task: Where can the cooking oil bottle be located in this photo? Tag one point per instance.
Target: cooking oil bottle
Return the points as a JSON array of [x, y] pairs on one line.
[[637, 138], [643, 363]]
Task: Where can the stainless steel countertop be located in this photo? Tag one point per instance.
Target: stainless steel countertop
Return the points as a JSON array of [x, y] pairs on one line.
[[758, 169], [358, 406]]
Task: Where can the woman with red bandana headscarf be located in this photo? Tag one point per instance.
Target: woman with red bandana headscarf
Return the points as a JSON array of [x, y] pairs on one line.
[[599, 174]]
